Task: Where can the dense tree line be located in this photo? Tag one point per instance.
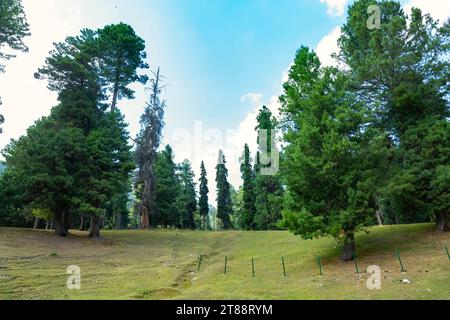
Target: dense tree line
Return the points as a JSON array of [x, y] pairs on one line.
[[364, 143], [76, 163]]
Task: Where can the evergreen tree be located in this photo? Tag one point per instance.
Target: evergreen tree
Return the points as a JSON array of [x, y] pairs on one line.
[[167, 190], [333, 163], [187, 200], [78, 144], [401, 73], [268, 188], [400, 70], [237, 198], [203, 201], [224, 204], [121, 53], [248, 211], [14, 27]]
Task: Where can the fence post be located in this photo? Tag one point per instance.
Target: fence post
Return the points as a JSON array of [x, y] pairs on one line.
[[284, 267], [400, 260], [253, 267], [225, 269], [320, 265], [356, 263], [199, 262]]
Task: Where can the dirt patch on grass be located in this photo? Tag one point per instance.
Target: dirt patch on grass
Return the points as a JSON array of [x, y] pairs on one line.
[[161, 293]]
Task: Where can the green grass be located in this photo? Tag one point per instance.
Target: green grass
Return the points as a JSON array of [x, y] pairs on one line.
[[161, 264]]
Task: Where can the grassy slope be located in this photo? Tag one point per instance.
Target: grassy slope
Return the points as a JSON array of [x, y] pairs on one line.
[[163, 265]]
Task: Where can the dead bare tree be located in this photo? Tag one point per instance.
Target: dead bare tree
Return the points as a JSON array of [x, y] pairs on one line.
[[147, 144]]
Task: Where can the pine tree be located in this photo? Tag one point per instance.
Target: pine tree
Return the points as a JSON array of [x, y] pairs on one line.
[[167, 190], [248, 211], [268, 191], [121, 53], [224, 204], [187, 200], [203, 201], [78, 144], [14, 27], [333, 163], [401, 72]]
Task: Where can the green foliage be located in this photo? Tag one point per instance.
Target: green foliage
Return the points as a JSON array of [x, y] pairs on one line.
[[330, 163], [14, 27], [167, 189], [187, 199], [79, 144], [121, 53], [268, 189], [224, 203], [203, 200], [45, 214], [419, 188], [401, 73], [400, 70], [247, 219], [237, 198]]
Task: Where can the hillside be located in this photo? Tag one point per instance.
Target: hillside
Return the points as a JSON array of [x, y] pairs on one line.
[[163, 265]]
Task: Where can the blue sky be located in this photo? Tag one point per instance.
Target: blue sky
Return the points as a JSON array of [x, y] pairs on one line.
[[222, 59]]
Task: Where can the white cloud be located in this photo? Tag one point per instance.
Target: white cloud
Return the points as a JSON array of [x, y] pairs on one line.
[[327, 46], [438, 9], [254, 98], [335, 8]]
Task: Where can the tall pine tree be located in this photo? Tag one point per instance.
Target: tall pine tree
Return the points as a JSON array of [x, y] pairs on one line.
[[268, 188], [203, 201], [224, 203], [247, 220], [187, 200]]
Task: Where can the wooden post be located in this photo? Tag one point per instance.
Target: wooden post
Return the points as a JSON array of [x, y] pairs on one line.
[[446, 249], [356, 263], [320, 265], [199, 262], [400, 260], [225, 269], [253, 267], [284, 267]]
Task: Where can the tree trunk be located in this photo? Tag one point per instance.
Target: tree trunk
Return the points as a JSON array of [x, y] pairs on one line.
[[378, 214], [94, 230], [115, 94], [443, 223], [36, 222], [60, 225], [118, 221], [47, 225], [349, 248], [145, 224], [51, 225], [82, 228]]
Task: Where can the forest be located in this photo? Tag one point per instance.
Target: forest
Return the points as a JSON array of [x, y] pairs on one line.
[[362, 144]]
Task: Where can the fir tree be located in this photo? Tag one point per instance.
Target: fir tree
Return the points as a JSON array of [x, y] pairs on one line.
[[203, 201], [224, 204]]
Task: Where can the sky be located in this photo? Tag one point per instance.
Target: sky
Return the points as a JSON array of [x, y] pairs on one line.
[[221, 60]]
